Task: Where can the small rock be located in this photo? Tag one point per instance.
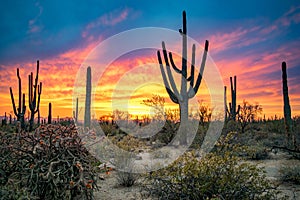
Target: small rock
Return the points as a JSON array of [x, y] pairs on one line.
[[138, 158], [141, 151]]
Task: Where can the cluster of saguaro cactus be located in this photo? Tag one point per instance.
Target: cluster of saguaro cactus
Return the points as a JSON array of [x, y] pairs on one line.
[[20, 111], [182, 97], [34, 95], [231, 112], [287, 107], [87, 113]]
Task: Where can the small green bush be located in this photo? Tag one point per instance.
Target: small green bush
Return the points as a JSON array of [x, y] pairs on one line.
[[219, 175], [258, 152]]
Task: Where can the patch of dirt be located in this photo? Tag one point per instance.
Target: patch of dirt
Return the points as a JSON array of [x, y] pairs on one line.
[[109, 189]]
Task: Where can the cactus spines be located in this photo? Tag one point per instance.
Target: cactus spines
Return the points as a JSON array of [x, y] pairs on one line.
[[87, 113], [286, 107], [34, 95], [50, 114], [20, 111], [185, 94], [233, 111]]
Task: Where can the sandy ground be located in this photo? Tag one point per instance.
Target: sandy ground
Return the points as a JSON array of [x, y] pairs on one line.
[[110, 190]]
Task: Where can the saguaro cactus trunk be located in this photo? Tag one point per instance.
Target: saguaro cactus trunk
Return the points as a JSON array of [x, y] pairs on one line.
[[182, 97], [87, 113], [34, 95], [287, 107], [50, 114], [20, 111]]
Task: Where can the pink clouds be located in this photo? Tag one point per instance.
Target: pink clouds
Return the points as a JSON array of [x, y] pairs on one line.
[[110, 19], [33, 24]]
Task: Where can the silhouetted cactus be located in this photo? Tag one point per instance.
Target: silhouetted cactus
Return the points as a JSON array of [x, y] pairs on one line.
[[184, 95], [75, 113], [4, 120], [87, 113], [20, 111], [233, 112], [225, 103], [34, 95], [286, 107], [50, 114]]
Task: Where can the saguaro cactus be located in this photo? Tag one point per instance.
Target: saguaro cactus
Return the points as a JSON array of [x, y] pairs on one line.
[[75, 113], [286, 107], [88, 94], [50, 114], [233, 112], [225, 103], [182, 97], [20, 111], [34, 95]]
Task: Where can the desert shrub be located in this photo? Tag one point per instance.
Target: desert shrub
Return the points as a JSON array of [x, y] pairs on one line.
[[50, 163], [258, 152], [12, 191], [125, 175], [230, 126], [199, 137], [167, 133], [274, 126], [291, 174], [128, 143], [220, 174]]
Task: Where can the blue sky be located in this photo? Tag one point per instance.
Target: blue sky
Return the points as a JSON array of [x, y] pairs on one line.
[[248, 38]]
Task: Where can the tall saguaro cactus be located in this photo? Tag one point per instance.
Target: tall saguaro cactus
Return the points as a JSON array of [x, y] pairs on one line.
[[34, 95], [88, 94], [182, 97], [20, 111], [75, 113], [50, 113], [286, 107], [225, 103], [233, 112]]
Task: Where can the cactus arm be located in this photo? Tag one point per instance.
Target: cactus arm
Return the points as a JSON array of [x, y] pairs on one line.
[[191, 78], [39, 97], [30, 92], [35, 86], [166, 83], [13, 101], [20, 90], [173, 64], [193, 92], [169, 73], [24, 107]]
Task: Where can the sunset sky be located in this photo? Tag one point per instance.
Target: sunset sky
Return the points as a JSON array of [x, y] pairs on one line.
[[248, 39]]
